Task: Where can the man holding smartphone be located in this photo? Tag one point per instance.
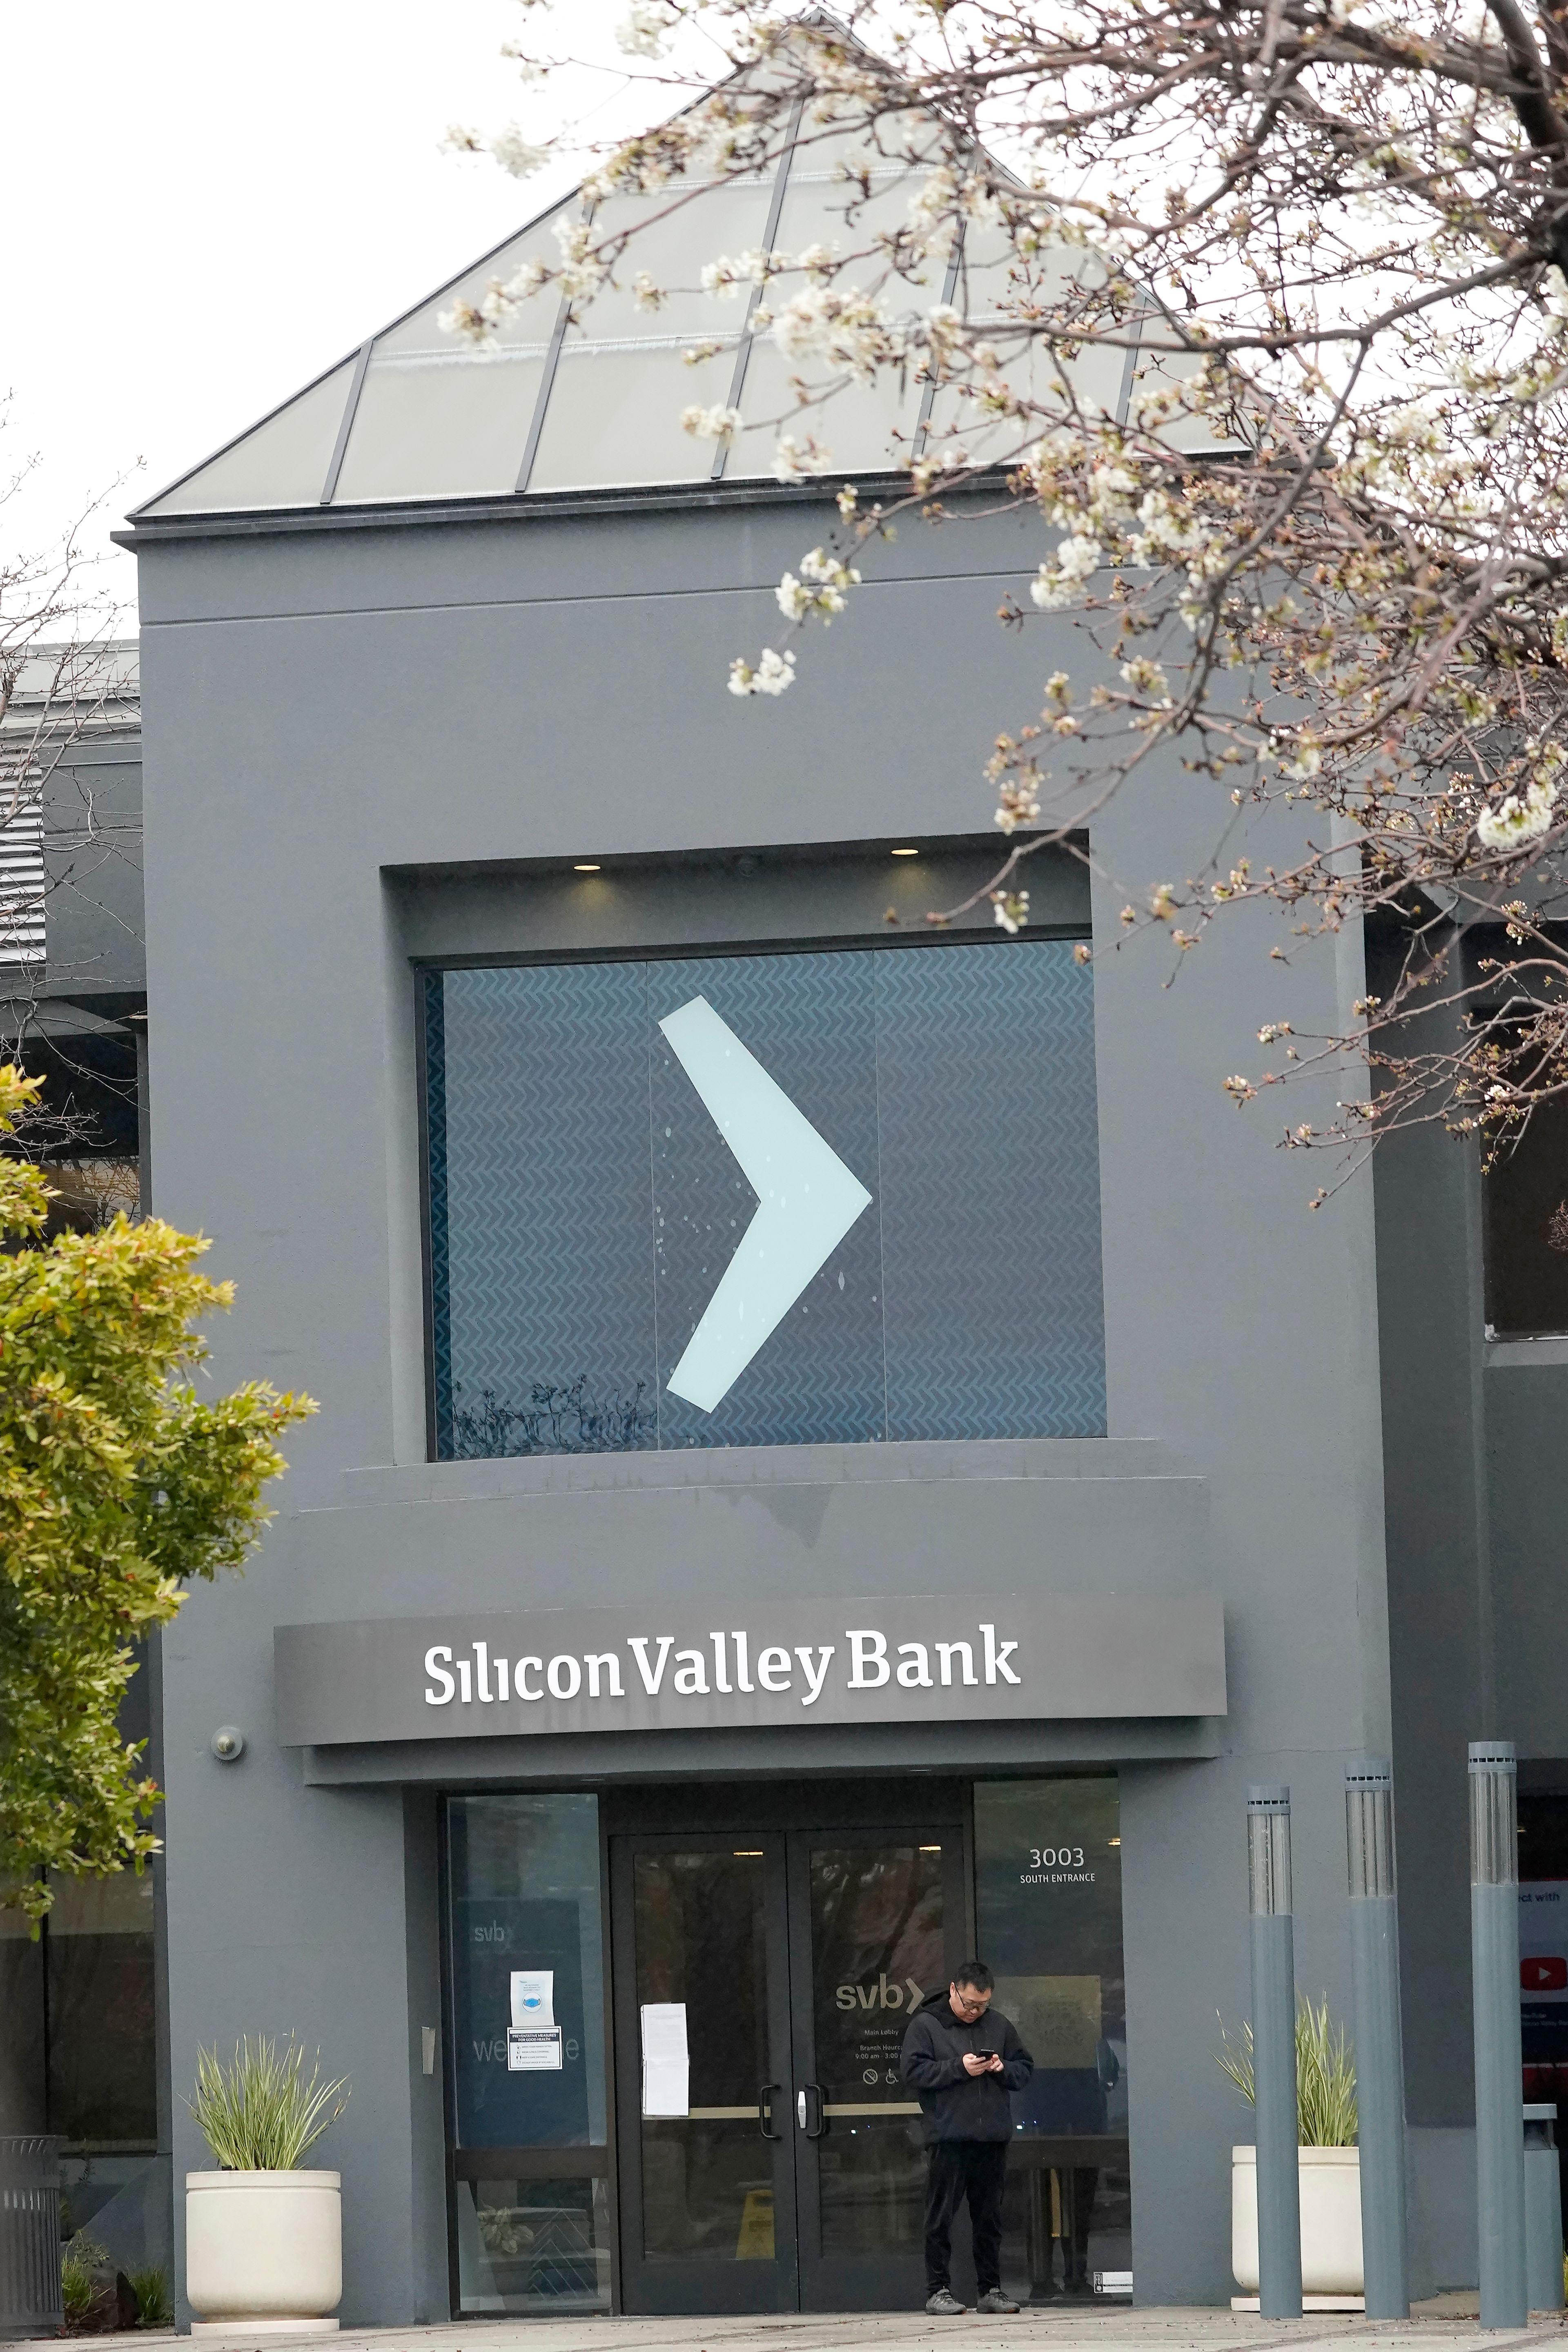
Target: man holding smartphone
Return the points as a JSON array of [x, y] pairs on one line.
[[963, 2058]]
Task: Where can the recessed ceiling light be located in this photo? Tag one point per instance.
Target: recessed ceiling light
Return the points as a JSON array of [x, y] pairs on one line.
[[906, 852], [584, 869]]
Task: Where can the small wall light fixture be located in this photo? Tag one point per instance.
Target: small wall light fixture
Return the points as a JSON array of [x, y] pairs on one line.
[[906, 852], [227, 1743], [584, 869]]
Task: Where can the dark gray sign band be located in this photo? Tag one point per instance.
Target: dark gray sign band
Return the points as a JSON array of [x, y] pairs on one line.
[[940, 1658]]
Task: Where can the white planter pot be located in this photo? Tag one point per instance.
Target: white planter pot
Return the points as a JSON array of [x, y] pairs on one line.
[[1330, 2226], [264, 2252]]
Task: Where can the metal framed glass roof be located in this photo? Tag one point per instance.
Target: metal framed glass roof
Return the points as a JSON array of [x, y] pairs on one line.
[[589, 397]]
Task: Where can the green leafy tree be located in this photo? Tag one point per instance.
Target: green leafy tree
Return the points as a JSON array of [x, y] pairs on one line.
[[117, 1483]]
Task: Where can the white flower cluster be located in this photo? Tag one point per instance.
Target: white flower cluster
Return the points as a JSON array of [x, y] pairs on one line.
[[478, 321], [1300, 755], [931, 209], [1060, 581], [823, 587], [794, 460], [732, 271], [581, 271], [773, 673], [1010, 909], [1524, 817], [719, 423], [520, 156], [641, 33], [1145, 677], [840, 324]]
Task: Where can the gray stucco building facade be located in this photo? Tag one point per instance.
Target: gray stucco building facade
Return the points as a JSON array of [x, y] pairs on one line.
[[447, 816]]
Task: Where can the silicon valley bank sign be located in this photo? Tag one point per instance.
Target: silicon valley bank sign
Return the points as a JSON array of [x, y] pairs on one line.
[[912, 1657]]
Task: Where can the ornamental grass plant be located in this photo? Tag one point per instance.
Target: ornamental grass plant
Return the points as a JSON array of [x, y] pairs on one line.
[[259, 2114], [1325, 2075]]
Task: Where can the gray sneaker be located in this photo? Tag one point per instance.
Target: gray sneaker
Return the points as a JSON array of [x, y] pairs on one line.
[[993, 2300], [944, 2304]]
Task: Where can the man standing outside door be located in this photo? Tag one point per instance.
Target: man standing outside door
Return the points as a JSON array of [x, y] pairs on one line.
[[963, 2057]]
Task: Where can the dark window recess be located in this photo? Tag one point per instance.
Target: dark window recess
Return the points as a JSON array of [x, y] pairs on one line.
[[82, 2064], [1525, 1199], [77, 2005]]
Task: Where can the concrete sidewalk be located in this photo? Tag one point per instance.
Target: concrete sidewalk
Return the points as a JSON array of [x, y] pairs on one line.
[[1102, 2330]]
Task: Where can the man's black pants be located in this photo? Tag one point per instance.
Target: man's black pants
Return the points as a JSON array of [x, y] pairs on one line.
[[960, 2168]]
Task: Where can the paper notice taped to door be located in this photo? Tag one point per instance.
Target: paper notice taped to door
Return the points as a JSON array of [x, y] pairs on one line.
[[533, 1997], [533, 2050], [666, 2062]]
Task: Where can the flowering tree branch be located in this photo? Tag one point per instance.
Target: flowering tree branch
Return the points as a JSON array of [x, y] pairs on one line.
[[1259, 307]]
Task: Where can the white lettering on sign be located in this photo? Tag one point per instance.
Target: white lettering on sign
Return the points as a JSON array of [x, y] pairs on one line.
[[881, 1995], [480, 1679]]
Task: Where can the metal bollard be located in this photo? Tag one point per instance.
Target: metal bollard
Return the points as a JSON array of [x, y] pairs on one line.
[[1494, 1961], [1274, 2053], [1378, 2056], [1543, 2211]]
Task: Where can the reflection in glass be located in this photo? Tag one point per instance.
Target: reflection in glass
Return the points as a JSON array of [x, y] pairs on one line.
[[876, 1948], [1049, 1901], [533, 2245], [525, 1895], [544, 1337], [97, 1964], [707, 2179]]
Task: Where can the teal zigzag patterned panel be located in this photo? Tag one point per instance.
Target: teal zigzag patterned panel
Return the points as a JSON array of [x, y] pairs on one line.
[[585, 1205]]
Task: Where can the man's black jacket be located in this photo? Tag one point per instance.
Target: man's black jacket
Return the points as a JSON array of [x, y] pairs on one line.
[[954, 2105]]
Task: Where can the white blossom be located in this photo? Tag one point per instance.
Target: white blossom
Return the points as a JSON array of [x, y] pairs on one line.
[[581, 271], [719, 423], [840, 324], [520, 156], [1058, 582], [773, 673], [732, 271], [1522, 817], [525, 281], [641, 33], [794, 460]]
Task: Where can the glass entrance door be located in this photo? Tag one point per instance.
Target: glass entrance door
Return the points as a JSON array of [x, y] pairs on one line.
[[875, 1924], [707, 2175], [770, 2156]]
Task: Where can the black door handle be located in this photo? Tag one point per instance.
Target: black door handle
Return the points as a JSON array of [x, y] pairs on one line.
[[765, 2109], [804, 2111]]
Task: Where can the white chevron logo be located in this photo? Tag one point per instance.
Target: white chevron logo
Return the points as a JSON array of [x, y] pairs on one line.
[[807, 1201]]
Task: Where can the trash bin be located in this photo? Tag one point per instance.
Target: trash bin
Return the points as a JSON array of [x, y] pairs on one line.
[[30, 2235], [1543, 2211]]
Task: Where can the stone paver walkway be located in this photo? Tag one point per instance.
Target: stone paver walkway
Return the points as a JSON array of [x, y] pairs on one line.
[[1073, 2329]]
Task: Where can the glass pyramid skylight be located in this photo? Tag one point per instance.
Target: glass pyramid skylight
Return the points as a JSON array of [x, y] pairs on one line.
[[560, 402]]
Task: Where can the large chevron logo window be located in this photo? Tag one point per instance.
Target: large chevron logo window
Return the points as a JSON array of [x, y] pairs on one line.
[[804, 1194], [807, 1201]]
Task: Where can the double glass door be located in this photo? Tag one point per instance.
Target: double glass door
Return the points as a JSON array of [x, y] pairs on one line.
[[770, 2156]]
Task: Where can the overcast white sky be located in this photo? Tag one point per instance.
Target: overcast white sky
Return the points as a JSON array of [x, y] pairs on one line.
[[207, 204]]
